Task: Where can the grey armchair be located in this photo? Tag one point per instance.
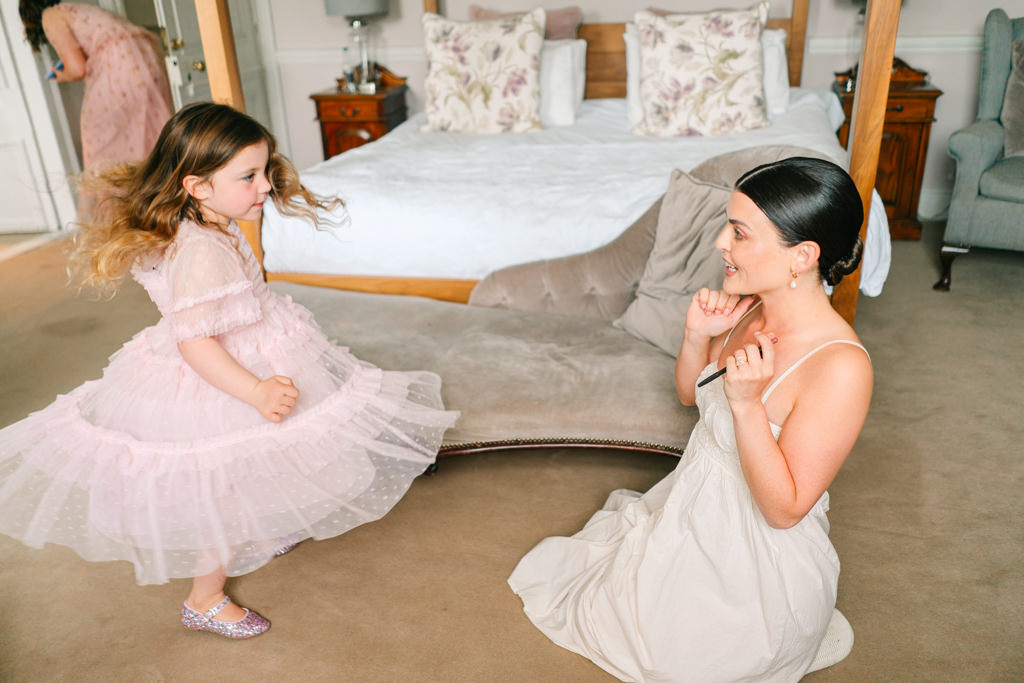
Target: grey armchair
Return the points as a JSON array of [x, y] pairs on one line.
[[987, 206]]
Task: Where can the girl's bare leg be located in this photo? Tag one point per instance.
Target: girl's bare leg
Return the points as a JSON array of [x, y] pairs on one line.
[[208, 591]]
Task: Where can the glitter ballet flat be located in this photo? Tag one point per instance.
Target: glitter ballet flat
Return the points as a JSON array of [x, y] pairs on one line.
[[285, 549], [252, 624]]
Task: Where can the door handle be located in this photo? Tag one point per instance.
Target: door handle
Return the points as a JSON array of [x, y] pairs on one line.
[[199, 66]]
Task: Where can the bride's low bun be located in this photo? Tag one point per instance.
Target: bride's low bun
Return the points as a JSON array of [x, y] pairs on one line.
[[844, 267]]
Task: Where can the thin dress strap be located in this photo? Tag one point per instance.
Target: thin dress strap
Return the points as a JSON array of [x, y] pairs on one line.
[[749, 311], [794, 366]]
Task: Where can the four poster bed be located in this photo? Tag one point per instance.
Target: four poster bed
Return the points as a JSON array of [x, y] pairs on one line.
[[523, 378], [605, 80]]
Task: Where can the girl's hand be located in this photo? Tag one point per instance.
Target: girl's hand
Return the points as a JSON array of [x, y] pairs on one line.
[[274, 397], [750, 369], [713, 312]]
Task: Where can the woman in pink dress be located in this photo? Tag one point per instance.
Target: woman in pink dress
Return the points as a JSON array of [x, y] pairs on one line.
[[233, 428], [127, 98]]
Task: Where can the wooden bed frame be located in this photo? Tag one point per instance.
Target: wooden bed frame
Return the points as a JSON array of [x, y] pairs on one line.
[[606, 77]]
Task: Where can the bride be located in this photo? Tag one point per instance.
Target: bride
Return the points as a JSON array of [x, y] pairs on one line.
[[723, 571]]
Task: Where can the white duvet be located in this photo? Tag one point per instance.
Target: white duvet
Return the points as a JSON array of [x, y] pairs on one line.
[[449, 205]]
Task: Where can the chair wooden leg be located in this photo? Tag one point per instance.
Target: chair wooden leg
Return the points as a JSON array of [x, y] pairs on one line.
[[946, 256]]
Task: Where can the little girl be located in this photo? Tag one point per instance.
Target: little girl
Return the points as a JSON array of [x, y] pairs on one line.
[[232, 429]]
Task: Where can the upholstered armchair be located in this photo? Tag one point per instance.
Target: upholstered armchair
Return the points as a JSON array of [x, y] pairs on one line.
[[987, 206]]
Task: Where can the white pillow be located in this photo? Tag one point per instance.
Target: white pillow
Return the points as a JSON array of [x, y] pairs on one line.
[[563, 78], [634, 107], [483, 76], [776, 72]]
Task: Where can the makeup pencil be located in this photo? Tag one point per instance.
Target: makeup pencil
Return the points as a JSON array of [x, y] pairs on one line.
[[712, 376], [718, 373]]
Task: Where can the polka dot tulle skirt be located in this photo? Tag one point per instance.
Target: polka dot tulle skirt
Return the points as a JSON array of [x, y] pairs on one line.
[[152, 465]]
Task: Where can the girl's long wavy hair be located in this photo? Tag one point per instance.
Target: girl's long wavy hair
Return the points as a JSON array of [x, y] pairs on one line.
[[140, 206], [31, 12]]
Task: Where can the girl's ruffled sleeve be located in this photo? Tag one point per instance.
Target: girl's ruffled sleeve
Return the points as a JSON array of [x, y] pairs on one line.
[[210, 292]]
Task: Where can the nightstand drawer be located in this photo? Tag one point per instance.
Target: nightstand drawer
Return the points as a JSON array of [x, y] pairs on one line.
[[909, 113], [350, 119], [364, 110], [900, 109]]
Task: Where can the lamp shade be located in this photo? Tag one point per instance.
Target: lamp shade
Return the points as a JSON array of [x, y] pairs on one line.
[[355, 8]]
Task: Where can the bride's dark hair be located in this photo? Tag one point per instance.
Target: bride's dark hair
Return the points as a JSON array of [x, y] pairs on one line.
[[811, 200]]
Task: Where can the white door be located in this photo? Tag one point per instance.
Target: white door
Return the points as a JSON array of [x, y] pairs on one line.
[[251, 70], [35, 193], [178, 25]]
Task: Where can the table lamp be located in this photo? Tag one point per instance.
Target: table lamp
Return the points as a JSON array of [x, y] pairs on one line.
[[356, 11]]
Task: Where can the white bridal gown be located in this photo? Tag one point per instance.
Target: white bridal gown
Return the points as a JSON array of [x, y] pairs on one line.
[[688, 582]]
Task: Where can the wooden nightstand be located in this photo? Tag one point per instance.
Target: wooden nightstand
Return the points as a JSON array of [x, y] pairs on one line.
[[909, 114], [348, 120]]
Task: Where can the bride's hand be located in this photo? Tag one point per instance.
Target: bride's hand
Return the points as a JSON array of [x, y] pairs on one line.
[[713, 312], [749, 369]]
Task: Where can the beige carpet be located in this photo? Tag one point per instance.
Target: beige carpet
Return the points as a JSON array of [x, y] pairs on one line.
[[926, 516]]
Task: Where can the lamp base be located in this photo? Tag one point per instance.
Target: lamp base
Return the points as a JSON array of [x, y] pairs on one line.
[[383, 80], [352, 86]]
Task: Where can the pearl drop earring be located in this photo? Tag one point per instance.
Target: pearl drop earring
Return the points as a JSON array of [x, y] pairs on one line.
[[792, 283]]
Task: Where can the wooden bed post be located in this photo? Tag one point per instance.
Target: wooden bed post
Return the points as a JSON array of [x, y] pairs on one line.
[[225, 82], [796, 36], [880, 24]]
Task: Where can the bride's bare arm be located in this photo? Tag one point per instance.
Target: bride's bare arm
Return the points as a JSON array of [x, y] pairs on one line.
[[788, 476]]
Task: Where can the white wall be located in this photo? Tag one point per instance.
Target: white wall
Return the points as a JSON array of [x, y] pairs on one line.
[[941, 37]]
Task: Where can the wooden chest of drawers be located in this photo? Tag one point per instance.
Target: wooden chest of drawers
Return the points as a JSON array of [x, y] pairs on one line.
[[348, 120], [909, 114]]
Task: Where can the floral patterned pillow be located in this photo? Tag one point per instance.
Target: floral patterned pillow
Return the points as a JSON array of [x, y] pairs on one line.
[[701, 74], [484, 76]]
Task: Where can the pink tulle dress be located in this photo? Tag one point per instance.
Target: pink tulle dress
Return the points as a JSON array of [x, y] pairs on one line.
[[153, 465]]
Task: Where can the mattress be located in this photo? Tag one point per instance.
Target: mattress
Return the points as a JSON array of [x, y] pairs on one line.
[[424, 204]]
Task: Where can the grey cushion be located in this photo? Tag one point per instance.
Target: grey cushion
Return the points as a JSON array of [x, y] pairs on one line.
[[514, 375], [683, 260], [1005, 180], [1012, 113]]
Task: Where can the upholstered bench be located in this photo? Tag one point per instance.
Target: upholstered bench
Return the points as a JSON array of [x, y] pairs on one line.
[[519, 378]]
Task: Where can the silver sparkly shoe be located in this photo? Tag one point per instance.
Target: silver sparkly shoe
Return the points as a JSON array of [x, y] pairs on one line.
[[285, 549], [252, 624]]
